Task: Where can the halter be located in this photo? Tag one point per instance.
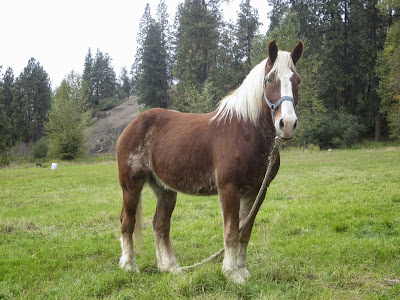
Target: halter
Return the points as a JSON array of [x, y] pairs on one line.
[[274, 106]]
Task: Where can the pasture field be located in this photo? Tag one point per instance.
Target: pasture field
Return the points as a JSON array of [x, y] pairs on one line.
[[328, 229]]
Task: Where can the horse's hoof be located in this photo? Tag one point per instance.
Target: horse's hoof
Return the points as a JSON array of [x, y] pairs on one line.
[[127, 264], [244, 273], [175, 269], [234, 276]]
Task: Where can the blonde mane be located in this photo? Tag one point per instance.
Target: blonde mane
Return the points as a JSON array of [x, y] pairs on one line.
[[245, 102]]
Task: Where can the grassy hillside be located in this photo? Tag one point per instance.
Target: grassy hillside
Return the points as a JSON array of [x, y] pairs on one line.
[[329, 228]]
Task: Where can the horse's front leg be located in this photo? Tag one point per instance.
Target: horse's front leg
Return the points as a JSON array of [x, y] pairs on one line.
[[244, 237], [229, 199]]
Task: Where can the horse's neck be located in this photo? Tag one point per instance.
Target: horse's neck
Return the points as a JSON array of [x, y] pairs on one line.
[[266, 125]]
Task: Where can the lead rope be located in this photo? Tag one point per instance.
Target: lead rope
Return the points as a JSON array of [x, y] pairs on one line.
[[271, 162]]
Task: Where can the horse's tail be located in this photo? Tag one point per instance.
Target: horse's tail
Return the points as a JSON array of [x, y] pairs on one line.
[[138, 226]]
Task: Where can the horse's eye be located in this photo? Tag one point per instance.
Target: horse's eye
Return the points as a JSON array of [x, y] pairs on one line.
[[299, 82], [269, 80]]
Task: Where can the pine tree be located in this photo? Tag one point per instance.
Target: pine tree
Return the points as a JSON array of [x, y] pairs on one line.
[[153, 82], [31, 102], [103, 79], [197, 42], [247, 25], [124, 87], [7, 90], [88, 73], [136, 69], [166, 38], [5, 122], [230, 71], [196, 45], [152, 63]]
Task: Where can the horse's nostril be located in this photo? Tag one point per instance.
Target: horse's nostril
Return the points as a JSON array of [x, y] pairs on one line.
[[295, 125], [281, 124]]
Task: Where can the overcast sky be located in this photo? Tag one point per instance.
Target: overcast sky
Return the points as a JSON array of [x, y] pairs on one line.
[[58, 33]]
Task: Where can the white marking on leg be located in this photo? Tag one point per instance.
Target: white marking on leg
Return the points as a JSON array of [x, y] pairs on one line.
[[127, 260], [241, 260], [245, 206], [166, 260], [229, 265]]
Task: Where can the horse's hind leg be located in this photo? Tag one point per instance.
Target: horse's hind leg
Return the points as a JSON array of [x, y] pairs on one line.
[[166, 200], [131, 199]]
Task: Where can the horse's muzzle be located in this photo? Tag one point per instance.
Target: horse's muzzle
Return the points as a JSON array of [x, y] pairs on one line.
[[286, 127]]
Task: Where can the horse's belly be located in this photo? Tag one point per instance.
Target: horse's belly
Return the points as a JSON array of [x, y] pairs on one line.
[[200, 183]]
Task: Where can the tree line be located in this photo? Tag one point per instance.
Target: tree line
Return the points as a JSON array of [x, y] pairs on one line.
[[350, 87]]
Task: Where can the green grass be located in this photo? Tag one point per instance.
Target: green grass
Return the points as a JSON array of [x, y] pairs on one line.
[[329, 228]]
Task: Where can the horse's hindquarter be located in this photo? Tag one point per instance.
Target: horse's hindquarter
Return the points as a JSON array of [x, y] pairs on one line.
[[181, 154]]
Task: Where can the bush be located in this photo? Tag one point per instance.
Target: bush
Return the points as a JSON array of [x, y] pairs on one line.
[[4, 159], [332, 130], [67, 146], [68, 116], [39, 150]]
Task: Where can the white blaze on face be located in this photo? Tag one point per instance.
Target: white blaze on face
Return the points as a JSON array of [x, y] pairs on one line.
[[285, 125]]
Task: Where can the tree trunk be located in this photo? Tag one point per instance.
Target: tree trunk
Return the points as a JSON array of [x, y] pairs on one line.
[[378, 131]]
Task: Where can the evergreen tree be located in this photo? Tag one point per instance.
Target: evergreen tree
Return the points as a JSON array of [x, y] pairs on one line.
[[7, 90], [196, 44], [287, 33], [230, 71], [88, 67], [153, 82], [124, 90], [31, 102], [103, 78], [388, 68], [88, 73], [151, 68], [166, 38], [247, 24], [5, 109], [144, 24], [279, 8]]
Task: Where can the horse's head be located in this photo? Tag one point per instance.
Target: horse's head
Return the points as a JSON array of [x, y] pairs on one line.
[[281, 88]]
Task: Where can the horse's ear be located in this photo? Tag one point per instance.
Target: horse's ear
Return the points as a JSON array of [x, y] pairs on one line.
[[272, 50], [297, 52]]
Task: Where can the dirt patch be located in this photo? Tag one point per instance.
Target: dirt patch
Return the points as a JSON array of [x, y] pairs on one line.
[[101, 137]]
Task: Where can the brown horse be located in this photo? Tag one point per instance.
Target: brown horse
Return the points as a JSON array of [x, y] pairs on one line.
[[222, 152]]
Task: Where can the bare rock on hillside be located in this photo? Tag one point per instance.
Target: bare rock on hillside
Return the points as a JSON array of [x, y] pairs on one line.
[[101, 137]]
